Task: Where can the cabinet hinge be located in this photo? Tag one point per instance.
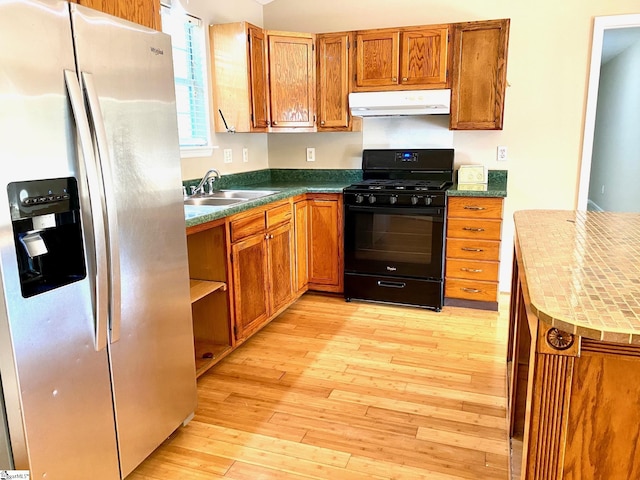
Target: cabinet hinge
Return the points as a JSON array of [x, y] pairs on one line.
[[249, 37], [448, 37], [348, 44], [235, 331]]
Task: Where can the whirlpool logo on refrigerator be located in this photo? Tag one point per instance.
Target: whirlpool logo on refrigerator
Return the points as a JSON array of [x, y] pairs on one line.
[[391, 269]]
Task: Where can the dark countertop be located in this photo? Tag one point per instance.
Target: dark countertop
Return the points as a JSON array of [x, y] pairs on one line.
[[196, 215], [292, 182]]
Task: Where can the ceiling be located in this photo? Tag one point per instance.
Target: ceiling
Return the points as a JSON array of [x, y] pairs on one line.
[[616, 40]]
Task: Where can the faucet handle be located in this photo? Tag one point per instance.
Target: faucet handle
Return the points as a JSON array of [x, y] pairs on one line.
[[210, 182], [193, 189]]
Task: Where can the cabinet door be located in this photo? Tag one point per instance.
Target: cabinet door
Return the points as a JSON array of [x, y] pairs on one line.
[[377, 58], [333, 81], [301, 211], [280, 255], [292, 80], [258, 78], [325, 244], [479, 75], [251, 297], [144, 12], [423, 57]]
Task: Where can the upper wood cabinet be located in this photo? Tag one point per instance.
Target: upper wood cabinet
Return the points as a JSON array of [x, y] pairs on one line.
[[144, 12], [479, 75], [263, 81], [239, 75], [334, 74], [402, 59], [292, 80]]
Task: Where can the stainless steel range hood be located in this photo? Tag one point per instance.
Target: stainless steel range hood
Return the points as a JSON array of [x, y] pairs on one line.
[[408, 102]]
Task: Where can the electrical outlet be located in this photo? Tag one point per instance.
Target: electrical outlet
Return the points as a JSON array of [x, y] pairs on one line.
[[245, 155], [311, 154], [228, 155], [502, 153]]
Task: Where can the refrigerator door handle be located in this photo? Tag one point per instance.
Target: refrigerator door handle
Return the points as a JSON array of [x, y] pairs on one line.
[[99, 235], [95, 112]]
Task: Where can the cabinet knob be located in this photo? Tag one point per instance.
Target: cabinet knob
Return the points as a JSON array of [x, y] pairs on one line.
[[404, 79], [274, 122], [394, 79], [322, 122]]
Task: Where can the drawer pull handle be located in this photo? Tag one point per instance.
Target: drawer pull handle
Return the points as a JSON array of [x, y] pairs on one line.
[[473, 207], [391, 284], [472, 229], [472, 270], [469, 249], [471, 290]]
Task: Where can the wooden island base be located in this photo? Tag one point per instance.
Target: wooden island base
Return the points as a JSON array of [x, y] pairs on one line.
[[574, 401]]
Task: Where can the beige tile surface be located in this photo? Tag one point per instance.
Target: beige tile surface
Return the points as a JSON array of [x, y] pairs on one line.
[[583, 270]]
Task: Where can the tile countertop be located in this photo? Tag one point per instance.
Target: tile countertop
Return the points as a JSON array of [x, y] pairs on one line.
[[291, 182], [582, 271]]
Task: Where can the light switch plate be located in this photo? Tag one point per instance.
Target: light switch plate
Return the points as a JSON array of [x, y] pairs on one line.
[[228, 155]]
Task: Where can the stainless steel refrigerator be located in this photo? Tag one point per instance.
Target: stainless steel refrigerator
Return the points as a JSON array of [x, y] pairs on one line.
[[96, 343]]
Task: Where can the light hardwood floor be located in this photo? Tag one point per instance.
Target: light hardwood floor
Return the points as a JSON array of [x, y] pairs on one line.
[[336, 390]]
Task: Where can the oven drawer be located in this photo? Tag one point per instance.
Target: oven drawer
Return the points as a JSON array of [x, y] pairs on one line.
[[471, 290], [472, 270], [473, 249], [408, 291], [475, 207], [472, 228]]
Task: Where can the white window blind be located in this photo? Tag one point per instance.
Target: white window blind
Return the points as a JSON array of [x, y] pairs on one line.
[[187, 38]]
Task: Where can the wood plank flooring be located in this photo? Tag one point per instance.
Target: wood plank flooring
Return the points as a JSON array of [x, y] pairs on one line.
[[336, 390]]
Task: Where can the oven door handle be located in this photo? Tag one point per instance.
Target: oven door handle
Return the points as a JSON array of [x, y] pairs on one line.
[[434, 211]]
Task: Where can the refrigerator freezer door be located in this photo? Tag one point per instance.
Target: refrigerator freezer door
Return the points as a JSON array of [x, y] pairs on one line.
[[130, 72], [56, 386]]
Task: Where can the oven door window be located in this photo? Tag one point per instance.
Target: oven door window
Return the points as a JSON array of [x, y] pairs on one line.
[[394, 241]]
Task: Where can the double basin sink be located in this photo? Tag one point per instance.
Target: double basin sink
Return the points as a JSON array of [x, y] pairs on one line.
[[223, 198]]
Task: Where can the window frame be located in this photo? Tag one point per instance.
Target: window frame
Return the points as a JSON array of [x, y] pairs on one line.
[[206, 149]]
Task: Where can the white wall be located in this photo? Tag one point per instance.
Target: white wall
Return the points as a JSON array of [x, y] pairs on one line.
[[547, 74], [224, 12], [615, 165]]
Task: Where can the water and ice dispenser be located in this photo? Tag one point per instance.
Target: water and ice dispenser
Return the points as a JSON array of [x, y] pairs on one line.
[[47, 233]]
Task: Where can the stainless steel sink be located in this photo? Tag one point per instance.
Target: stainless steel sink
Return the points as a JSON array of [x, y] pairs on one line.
[[213, 201], [244, 194], [227, 197]]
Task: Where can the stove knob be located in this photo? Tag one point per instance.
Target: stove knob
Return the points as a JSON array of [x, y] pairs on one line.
[[372, 199], [414, 200], [359, 199], [428, 200], [393, 200]]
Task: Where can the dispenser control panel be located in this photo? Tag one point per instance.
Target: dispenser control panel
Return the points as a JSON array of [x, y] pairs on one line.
[[40, 197]]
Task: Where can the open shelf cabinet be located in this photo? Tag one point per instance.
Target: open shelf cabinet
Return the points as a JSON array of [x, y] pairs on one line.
[[209, 296]]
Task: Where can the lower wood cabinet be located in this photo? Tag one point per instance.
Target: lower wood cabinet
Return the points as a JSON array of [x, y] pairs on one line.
[[210, 306], [473, 251], [262, 256], [301, 214], [325, 243], [247, 268]]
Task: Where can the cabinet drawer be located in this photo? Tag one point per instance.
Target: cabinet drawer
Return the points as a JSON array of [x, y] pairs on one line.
[[473, 249], [472, 270], [471, 290], [279, 214], [472, 228], [475, 207], [246, 226]]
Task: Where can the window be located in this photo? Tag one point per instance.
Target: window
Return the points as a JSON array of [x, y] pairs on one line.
[[187, 38]]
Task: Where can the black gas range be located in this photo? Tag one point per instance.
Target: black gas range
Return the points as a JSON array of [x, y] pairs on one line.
[[395, 227]]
